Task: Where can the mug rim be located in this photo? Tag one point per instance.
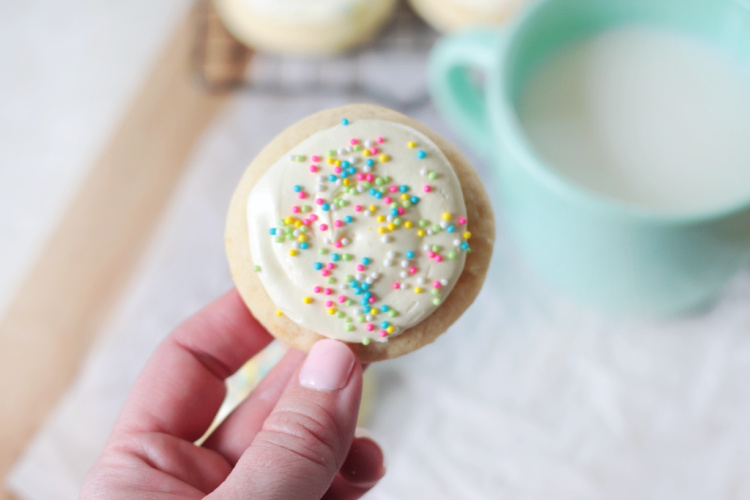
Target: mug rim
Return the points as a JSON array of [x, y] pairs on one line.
[[507, 124]]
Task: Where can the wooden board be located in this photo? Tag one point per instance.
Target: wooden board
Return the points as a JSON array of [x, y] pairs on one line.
[[66, 297]]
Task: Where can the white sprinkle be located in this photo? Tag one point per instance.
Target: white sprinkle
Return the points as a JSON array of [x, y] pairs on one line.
[[295, 245], [388, 262], [389, 218], [385, 239], [359, 276], [391, 254], [320, 187], [352, 160], [339, 181], [423, 171], [369, 280], [429, 232], [341, 151], [404, 286], [344, 286], [296, 233], [367, 169], [444, 282], [291, 157], [404, 274], [361, 188], [368, 143], [368, 317], [348, 149], [368, 213], [421, 280], [443, 224], [327, 240], [322, 178], [426, 248], [404, 263], [344, 241], [456, 243], [375, 276]]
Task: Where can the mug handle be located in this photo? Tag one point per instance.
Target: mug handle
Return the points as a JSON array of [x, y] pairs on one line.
[[455, 93]]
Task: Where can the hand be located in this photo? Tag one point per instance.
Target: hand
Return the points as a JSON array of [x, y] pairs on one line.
[[292, 438]]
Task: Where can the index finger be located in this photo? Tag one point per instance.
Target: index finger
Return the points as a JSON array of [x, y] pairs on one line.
[[182, 386]]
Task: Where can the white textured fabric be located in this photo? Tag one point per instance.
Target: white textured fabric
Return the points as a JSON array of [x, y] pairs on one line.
[[527, 397]]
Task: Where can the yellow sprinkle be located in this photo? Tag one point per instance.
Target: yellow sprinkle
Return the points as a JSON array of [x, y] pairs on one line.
[[292, 252], [404, 197], [391, 226], [411, 144], [467, 235], [420, 233], [307, 300], [373, 208], [417, 289], [345, 182], [302, 237], [384, 158], [374, 311], [390, 329], [298, 223], [447, 216], [382, 230], [331, 310], [366, 152], [337, 163], [278, 312], [381, 218], [330, 161], [288, 220], [407, 224]]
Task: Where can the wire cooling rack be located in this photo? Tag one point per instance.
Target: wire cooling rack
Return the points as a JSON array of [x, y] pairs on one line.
[[390, 69]]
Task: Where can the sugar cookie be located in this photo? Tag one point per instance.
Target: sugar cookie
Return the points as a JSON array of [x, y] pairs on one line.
[[448, 16], [360, 224], [317, 27]]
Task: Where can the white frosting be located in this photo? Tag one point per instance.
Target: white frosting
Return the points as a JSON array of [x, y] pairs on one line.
[[492, 7], [392, 276], [308, 11]]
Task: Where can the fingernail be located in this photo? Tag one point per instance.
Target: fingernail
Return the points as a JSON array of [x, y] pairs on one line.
[[365, 463], [327, 367]]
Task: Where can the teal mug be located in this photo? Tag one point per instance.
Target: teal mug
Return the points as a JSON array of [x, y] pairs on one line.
[[622, 258]]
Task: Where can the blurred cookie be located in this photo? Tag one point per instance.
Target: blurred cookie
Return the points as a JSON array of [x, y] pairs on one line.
[[319, 27], [448, 16], [360, 224]]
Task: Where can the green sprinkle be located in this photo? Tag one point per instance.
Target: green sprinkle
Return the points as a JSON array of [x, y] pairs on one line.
[[331, 152], [279, 239], [281, 222], [357, 147], [288, 230], [436, 228], [306, 208], [423, 223], [322, 251], [435, 291], [397, 221], [366, 341], [331, 281], [394, 205], [349, 277], [432, 176], [436, 301], [349, 327], [256, 269], [392, 313], [299, 158], [347, 256], [348, 319], [349, 302], [435, 248], [451, 255], [387, 178], [339, 314], [366, 185], [379, 181], [303, 229], [361, 318], [406, 203]]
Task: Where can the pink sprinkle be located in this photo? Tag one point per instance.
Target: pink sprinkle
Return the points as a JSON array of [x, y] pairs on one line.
[[379, 140], [342, 299], [369, 327], [396, 286], [328, 291], [325, 273], [393, 189], [319, 201], [401, 210], [462, 220], [295, 209], [329, 303], [373, 151], [337, 170], [301, 195], [317, 289], [387, 200], [313, 217], [323, 227], [412, 270], [306, 222], [338, 223], [370, 177], [357, 208], [438, 258], [360, 267], [330, 265], [371, 300], [383, 333], [437, 284], [313, 168], [337, 244], [353, 141], [427, 189], [315, 158], [360, 176], [431, 254]]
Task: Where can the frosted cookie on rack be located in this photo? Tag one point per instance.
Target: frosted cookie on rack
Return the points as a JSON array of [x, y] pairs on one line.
[[448, 16], [318, 27], [359, 224]]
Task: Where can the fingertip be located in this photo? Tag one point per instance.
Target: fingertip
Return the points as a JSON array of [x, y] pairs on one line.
[[328, 366], [365, 462]]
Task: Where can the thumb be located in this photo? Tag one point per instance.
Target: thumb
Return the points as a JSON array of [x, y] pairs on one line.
[[306, 438]]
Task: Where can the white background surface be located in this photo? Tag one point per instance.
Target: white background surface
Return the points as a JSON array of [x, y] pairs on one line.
[[527, 397]]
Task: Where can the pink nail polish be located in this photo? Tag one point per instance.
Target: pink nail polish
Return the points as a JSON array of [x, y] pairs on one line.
[[327, 367]]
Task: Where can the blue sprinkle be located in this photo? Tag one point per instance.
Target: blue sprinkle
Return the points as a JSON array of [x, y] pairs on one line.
[[272, 231], [370, 162], [344, 174], [368, 295], [348, 219], [384, 308], [318, 266], [297, 188], [365, 260], [373, 191], [409, 254], [332, 177], [364, 301], [335, 257], [384, 325], [450, 229], [351, 170], [464, 246], [366, 310], [354, 284], [325, 207], [403, 188], [421, 154], [304, 245], [394, 212], [414, 200], [357, 291], [345, 164], [365, 286], [344, 122], [379, 195]]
